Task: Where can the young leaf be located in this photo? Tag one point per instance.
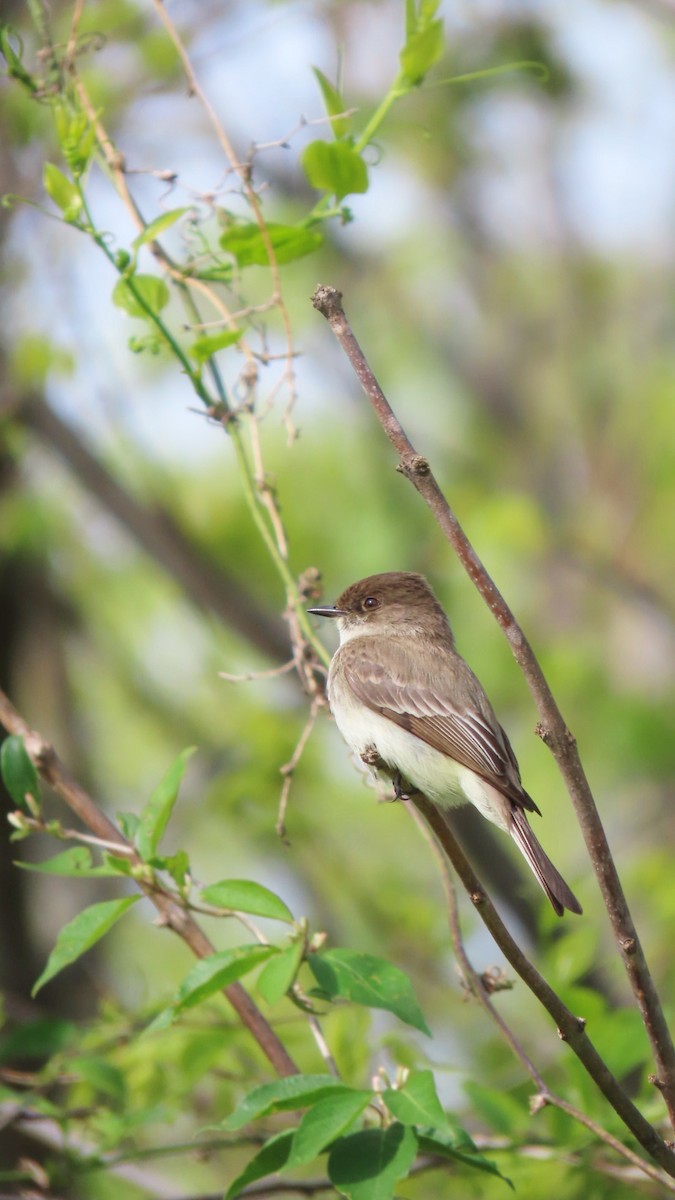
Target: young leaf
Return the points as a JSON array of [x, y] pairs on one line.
[[63, 191], [242, 895], [18, 772], [367, 1165], [155, 816], [271, 1158], [80, 934], [279, 973], [439, 1141], [335, 167], [368, 980], [335, 105], [203, 347], [211, 975], [421, 51], [417, 1102], [75, 862], [244, 240], [327, 1120], [294, 1091], [153, 230], [139, 294]]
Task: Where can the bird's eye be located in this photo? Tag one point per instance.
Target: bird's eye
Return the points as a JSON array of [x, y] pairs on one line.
[[371, 602]]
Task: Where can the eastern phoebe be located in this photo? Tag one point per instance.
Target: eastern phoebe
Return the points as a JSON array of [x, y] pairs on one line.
[[406, 702]]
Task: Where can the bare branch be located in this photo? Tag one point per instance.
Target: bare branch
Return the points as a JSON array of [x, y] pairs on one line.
[[571, 1029], [475, 983], [553, 729], [56, 774]]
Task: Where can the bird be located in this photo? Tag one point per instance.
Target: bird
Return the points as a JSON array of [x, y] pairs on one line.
[[409, 706]]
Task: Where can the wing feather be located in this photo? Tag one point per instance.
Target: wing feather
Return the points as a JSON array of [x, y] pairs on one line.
[[471, 736]]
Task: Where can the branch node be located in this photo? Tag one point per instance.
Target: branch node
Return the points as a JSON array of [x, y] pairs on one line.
[[628, 945], [539, 1101], [413, 465], [328, 301], [656, 1082], [477, 897], [542, 731]]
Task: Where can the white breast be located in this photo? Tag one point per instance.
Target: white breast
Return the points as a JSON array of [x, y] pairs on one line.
[[442, 780]]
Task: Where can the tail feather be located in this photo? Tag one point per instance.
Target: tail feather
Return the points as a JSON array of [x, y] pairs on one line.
[[547, 876]]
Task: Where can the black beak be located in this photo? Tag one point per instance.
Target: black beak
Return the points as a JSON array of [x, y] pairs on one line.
[[328, 612]]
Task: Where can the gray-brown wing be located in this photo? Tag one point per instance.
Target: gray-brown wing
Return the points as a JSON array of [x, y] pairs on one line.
[[473, 738]]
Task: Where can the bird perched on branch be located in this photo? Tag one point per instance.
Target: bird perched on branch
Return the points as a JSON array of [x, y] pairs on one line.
[[406, 702]]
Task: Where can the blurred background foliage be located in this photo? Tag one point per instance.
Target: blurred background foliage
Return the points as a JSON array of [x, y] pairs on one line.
[[510, 276]]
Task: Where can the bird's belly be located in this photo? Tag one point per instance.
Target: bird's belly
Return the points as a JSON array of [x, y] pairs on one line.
[[439, 777], [442, 779]]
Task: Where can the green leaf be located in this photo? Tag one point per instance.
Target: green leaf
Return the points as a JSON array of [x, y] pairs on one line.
[[278, 975], [368, 980], [335, 104], [417, 1102], [38, 1039], [128, 823], [367, 1165], [63, 191], [335, 167], [242, 895], [282, 1095], [211, 975], [18, 772], [499, 1109], [153, 230], [422, 49], [271, 1158], [76, 862], [103, 1076], [244, 240], [203, 347], [80, 934], [155, 815], [141, 293], [621, 1040], [439, 1141], [15, 67], [327, 1120]]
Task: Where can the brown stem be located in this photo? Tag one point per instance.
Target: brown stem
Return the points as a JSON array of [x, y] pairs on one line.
[[57, 775], [553, 729], [571, 1029], [476, 985]]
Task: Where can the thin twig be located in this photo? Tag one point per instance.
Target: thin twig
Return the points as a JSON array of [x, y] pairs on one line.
[[172, 914], [288, 768], [553, 729], [475, 984], [253, 676], [243, 170]]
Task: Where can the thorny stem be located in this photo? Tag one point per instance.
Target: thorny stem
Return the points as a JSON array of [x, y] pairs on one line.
[[553, 729]]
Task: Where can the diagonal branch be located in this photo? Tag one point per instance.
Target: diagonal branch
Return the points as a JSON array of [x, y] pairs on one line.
[[553, 729], [154, 528], [571, 1029], [478, 988], [57, 775]]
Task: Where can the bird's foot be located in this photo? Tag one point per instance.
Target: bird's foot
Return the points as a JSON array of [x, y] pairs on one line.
[[402, 789]]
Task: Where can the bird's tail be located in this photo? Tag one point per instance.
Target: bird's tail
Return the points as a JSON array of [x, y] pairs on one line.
[[547, 876]]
